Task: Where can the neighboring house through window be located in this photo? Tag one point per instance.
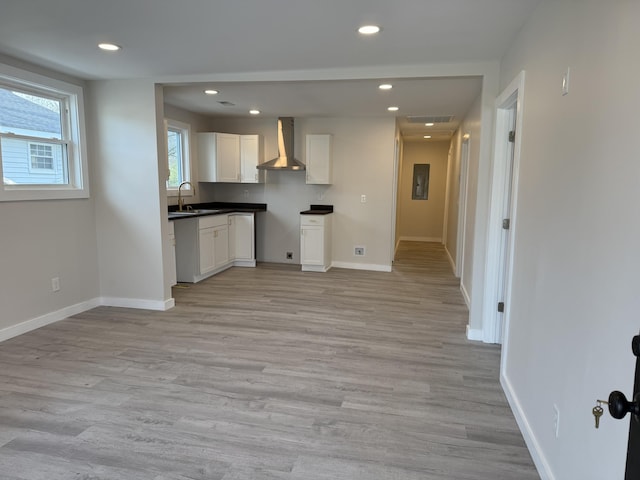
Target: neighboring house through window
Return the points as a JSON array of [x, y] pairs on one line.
[[41, 138]]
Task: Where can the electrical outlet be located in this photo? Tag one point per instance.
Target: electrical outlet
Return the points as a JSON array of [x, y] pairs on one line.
[[358, 251], [246, 194], [55, 284], [289, 255], [363, 199], [556, 420]]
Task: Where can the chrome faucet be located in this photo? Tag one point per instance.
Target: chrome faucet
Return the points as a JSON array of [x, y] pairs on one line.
[[180, 199]]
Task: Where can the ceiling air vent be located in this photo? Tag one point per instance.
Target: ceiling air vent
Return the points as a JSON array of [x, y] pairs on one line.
[[226, 104], [431, 119]]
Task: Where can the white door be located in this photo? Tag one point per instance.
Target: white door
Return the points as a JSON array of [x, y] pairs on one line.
[[507, 210], [205, 244]]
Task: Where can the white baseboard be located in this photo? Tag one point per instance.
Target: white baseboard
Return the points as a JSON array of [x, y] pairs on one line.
[[64, 313], [160, 305], [362, 266], [47, 319], [244, 263], [474, 334], [452, 262], [465, 295], [540, 461], [315, 268], [422, 239]]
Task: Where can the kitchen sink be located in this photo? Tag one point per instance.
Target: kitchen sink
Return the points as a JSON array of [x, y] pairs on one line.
[[194, 212]]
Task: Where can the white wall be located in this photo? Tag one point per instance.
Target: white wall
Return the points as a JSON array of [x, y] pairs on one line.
[[130, 199], [575, 302], [41, 240], [423, 220], [363, 150]]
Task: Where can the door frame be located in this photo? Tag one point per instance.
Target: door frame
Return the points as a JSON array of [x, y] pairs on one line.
[[495, 326], [463, 193]]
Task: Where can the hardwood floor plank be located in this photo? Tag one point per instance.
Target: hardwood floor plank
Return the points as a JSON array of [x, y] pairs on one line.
[[266, 374]]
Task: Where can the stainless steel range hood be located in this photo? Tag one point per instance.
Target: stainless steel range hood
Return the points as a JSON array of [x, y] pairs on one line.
[[285, 160]]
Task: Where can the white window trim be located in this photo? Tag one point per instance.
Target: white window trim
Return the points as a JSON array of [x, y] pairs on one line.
[[187, 191], [78, 186]]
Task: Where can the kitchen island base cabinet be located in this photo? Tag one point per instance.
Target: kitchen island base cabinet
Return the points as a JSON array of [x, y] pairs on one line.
[[202, 247], [315, 243]]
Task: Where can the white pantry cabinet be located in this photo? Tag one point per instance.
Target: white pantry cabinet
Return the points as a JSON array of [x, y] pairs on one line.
[[218, 157], [318, 159], [315, 242]]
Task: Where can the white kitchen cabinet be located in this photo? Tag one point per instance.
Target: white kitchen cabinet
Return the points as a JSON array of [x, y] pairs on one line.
[[172, 274], [318, 159], [242, 239], [218, 157], [315, 242], [251, 148], [202, 247]]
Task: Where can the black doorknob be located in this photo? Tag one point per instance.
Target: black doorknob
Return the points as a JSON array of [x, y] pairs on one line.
[[619, 406], [635, 345]]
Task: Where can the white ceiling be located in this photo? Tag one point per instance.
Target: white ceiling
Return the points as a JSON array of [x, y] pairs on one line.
[[163, 38]]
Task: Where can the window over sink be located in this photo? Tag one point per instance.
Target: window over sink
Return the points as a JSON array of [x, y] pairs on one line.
[[178, 157]]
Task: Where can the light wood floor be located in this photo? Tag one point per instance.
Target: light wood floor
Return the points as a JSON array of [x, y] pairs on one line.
[[265, 374]]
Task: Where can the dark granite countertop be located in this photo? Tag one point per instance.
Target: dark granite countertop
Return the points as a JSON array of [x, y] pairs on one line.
[[215, 208], [318, 210]]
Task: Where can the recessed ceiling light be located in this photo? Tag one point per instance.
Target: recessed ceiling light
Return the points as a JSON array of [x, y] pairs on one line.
[[427, 136], [109, 47], [385, 86], [211, 92], [369, 29], [393, 109], [430, 124], [254, 112]]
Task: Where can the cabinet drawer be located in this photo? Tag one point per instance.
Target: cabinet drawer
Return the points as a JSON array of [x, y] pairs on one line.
[[212, 221], [317, 220]]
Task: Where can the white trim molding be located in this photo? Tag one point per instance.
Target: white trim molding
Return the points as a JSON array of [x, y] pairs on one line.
[[362, 266], [157, 305], [494, 331], [540, 461], [47, 319], [64, 313], [474, 334], [421, 239]]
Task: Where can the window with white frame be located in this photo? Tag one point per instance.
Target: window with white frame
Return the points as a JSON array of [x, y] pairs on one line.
[[178, 161], [42, 152]]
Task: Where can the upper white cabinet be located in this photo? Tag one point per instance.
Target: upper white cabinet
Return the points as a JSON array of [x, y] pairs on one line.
[[230, 158], [250, 156], [318, 159], [219, 157]]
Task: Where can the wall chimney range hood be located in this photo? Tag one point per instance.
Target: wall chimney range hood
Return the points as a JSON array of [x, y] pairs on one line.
[[285, 160]]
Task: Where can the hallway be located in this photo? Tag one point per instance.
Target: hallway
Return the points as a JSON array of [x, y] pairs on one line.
[[266, 374]]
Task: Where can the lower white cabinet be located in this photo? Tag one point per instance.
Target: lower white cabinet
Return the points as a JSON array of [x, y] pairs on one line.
[[242, 239], [315, 242], [172, 275], [202, 247], [210, 244]]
